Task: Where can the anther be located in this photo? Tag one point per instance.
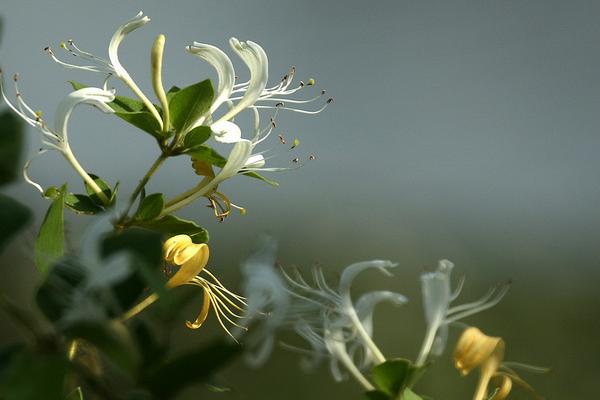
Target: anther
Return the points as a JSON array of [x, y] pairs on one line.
[[15, 77], [47, 48], [323, 92], [311, 157], [295, 144], [311, 82], [301, 84], [330, 100], [296, 160], [281, 138], [280, 104], [273, 124]]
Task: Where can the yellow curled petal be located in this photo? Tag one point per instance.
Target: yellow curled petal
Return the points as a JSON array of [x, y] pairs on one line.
[[192, 266], [203, 313], [474, 348], [504, 388], [173, 245]]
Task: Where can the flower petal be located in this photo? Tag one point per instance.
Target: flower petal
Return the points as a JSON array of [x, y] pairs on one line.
[[226, 132], [139, 20]]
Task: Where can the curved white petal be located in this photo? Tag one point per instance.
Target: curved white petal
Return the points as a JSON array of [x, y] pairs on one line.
[[139, 20], [93, 96], [353, 270], [255, 161], [436, 292], [365, 305], [222, 64], [256, 59], [226, 132], [238, 157]]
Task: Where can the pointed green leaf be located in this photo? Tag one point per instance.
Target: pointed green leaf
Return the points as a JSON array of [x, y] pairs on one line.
[[410, 395], [171, 225], [258, 176], [150, 207], [171, 92], [190, 103], [196, 137], [390, 376], [103, 186], [13, 217], [50, 243], [55, 297], [143, 120], [82, 204], [208, 155], [11, 145]]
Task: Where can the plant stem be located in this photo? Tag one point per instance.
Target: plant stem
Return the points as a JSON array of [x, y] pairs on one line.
[[70, 157], [136, 192]]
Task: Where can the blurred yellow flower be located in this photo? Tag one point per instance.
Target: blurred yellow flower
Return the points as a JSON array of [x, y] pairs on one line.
[[476, 349]]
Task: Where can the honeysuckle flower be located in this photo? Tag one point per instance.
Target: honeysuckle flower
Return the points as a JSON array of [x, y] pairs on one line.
[[191, 259], [252, 95], [437, 296], [334, 325], [475, 349], [112, 66], [268, 302], [57, 138]]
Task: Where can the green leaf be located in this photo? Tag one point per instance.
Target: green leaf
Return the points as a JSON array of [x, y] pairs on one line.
[[13, 217], [208, 155], [377, 395], [55, 296], [143, 120], [150, 207], [262, 178], [82, 204], [172, 92], [190, 103], [50, 243], [11, 145], [196, 137], [103, 186], [397, 376], [171, 225], [175, 375], [133, 111], [34, 376], [112, 338]]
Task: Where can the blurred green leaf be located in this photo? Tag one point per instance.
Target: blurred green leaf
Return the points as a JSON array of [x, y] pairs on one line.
[[394, 377], [82, 204], [194, 366], [50, 243], [76, 394], [171, 225], [208, 155], [11, 146], [103, 186], [150, 207], [190, 103], [35, 376], [13, 217], [377, 395], [55, 296], [172, 91], [196, 137], [145, 247], [111, 338]]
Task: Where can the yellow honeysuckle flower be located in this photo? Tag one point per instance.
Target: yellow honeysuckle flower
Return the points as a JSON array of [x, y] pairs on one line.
[[476, 349], [192, 258]]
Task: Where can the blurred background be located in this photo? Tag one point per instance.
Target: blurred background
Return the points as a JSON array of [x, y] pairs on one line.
[[464, 130]]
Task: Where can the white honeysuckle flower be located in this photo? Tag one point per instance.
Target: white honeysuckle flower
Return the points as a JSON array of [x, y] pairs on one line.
[[112, 66], [334, 325], [267, 302], [437, 296], [57, 138], [251, 95]]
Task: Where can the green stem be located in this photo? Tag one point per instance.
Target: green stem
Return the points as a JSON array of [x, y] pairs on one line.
[[136, 192], [70, 157]]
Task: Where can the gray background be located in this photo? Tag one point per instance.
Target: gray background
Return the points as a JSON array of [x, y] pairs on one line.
[[461, 130]]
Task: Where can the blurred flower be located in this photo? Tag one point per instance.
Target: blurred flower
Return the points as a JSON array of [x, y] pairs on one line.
[[57, 138], [112, 66], [475, 349], [268, 302], [437, 296], [191, 259], [334, 326]]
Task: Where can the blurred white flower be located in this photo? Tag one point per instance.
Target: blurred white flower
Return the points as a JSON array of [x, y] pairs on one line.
[[336, 327], [437, 296], [57, 138], [267, 302], [113, 65]]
